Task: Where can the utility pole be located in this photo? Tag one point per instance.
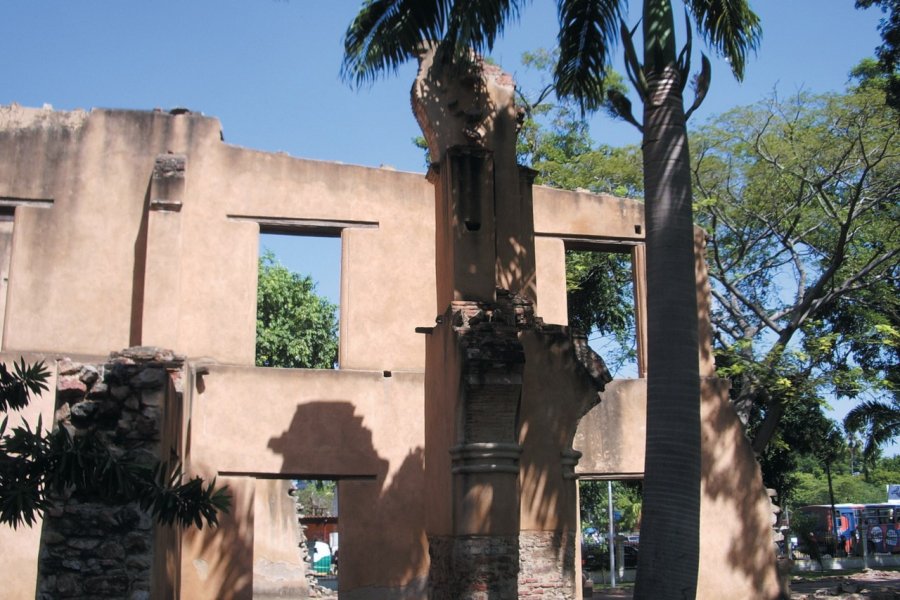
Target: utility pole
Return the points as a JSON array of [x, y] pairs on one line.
[[612, 536]]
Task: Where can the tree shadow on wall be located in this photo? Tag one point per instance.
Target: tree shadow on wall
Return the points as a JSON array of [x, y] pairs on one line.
[[233, 537], [732, 484], [383, 549]]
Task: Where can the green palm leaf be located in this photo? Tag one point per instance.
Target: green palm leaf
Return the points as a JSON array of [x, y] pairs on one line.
[[386, 33], [879, 421], [477, 23], [589, 31], [730, 27]]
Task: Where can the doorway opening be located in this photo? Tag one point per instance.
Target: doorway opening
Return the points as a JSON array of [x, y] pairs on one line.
[[610, 515], [317, 516]]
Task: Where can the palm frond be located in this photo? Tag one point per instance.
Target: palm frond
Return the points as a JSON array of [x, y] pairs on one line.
[[386, 33], [684, 57], [730, 27], [701, 86], [589, 30], [878, 421], [633, 67], [476, 24]]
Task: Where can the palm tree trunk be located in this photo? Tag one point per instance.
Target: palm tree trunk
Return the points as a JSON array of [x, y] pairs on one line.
[[670, 529]]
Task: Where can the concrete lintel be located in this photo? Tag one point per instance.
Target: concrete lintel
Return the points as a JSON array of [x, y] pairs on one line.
[[288, 225], [487, 468], [297, 475], [622, 245], [11, 201]]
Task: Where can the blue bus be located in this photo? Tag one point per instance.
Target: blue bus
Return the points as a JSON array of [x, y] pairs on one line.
[[879, 524], [834, 529], [882, 522]]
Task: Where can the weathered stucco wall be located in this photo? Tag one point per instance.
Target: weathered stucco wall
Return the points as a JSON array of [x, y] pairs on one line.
[[142, 228], [176, 261], [734, 506], [19, 547], [357, 426]]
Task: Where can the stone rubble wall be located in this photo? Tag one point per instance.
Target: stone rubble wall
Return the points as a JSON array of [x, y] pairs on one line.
[[89, 548]]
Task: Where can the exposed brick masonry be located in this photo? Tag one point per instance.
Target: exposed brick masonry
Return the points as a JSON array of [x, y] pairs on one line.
[[546, 565]]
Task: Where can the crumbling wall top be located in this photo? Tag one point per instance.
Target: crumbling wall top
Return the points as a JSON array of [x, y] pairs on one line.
[[14, 116]]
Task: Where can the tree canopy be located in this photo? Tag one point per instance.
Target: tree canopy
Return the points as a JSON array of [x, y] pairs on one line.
[[888, 52], [295, 327], [799, 196], [847, 346]]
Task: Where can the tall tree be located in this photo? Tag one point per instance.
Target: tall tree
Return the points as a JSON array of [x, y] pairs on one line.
[[388, 32], [800, 199]]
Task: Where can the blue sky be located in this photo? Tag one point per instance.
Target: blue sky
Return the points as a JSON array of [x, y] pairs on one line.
[[269, 70]]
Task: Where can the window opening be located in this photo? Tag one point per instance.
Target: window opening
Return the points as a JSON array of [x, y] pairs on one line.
[[298, 296], [600, 298]]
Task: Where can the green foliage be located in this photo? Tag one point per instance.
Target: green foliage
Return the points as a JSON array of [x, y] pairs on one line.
[[601, 301], [878, 421], [627, 499], [36, 464], [797, 445], [386, 33], [295, 328], [888, 52], [810, 485], [556, 142], [18, 385], [315, 497], [804, 526], [812, 488]]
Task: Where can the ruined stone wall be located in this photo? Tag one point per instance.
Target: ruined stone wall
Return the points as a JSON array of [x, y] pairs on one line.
[[90, 548]]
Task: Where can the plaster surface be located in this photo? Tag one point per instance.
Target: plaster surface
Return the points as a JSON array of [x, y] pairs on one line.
[[105, 255]]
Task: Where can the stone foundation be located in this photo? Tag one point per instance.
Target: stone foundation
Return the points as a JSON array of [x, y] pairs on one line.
[[473, 567], [546, 565], [535, 564]]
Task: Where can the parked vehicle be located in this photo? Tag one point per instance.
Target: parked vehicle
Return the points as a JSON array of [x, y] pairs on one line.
[[879, 524], [840, 529], [882, 522], [596, 557]]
